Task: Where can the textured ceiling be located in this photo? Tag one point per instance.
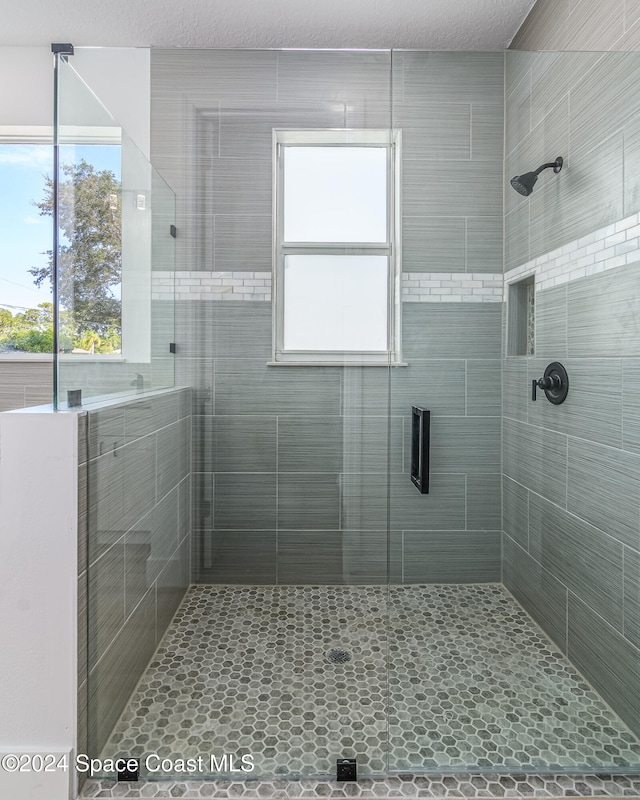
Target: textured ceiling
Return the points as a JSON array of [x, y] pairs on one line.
[[424, 24]]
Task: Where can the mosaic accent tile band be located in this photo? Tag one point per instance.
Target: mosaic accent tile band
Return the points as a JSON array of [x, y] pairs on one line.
[[607, 248], [451, 287], [417, 287], [472, 681], [195, 285]]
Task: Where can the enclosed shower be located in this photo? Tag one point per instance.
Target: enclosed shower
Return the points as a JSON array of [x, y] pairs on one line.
[[365, 500]]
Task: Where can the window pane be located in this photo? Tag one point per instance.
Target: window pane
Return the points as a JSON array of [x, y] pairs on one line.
[[335, 303], [335, 194]]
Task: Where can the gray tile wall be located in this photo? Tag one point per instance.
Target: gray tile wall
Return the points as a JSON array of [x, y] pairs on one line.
[[583, 107], [571, 482], [25, 383], [134, 545], [580, 25], [290, 463]]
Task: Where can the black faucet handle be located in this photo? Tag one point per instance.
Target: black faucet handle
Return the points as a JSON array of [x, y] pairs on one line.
[[554, 383]]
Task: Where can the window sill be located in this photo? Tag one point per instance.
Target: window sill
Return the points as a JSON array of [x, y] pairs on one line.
[[337, 364]]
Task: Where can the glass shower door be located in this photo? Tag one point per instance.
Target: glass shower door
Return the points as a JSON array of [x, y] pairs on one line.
[[275, 664]]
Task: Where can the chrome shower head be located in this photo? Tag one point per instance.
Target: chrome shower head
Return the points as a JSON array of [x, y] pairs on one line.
[[524, 183]]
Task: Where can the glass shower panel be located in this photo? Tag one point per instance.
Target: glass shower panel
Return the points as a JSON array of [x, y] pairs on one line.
[[275, 665], [115, 254], [512, 642]]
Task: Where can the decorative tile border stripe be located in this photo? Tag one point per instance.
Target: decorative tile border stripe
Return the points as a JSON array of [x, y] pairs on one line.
[[401, 786], [212, 286], [417, 287], [452, 287], [607, 248]]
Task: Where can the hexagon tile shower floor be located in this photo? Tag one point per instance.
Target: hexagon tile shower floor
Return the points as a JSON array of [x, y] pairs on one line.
[[472, 682]]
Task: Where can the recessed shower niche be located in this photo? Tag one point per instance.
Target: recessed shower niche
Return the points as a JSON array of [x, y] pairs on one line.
[[521, 317]]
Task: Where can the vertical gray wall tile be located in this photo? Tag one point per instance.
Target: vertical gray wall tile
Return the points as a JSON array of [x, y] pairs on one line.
[[542, 595], [551, 323], [461, 77], [373, 444], [465, 444], [335, 557], [589, 413], [549, 138], [197, 373], [455, 330], [114, 678], [364, 501], [435, 131], [245, 501], [308, 501], [603, 99], [247, 557], [631, 404], [243, 242], [433, 244], [516, 389], [604, 487], [583, 197], [442, 509], [143, 417], [487, 126], [451, 556], [484, 243], [518, 112], [210, 328], [83, 659], [603, 314], [236, 444], [515, 499], [450, 188], [584, 559], [436, 384], [536, 459], [135, 579], [632, 167], [248, 386], [105, 430], [171, 586], [355, 77], [517, 243], [105, 600], [632, 596], [311, 444], [483, 392], [607, 660], [483, 502]]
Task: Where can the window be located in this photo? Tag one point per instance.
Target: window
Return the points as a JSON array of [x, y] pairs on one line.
[[336, 296]]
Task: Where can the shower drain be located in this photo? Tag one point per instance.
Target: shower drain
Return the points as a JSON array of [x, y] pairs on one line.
[[338, 656]]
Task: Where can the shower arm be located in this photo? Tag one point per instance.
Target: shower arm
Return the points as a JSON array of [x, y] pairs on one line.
[[556, 166]]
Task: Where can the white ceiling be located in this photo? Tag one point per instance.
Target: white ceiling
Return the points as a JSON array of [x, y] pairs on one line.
[[422, 24]]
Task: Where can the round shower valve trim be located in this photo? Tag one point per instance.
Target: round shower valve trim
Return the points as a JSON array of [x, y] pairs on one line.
[[554, 383]]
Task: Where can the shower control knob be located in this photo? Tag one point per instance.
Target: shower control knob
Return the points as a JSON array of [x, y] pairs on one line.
[[554, 383]]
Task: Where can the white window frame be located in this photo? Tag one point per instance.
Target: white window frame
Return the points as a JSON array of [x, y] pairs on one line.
[[390, 140]]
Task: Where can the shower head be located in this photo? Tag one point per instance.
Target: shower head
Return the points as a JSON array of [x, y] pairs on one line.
[[524, 183]]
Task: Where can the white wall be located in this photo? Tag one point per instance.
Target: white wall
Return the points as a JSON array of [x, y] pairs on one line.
[[38, 595], [26, 87], [119, 76]]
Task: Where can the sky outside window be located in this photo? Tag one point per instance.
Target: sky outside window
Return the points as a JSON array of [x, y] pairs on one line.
[[25, 235]]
